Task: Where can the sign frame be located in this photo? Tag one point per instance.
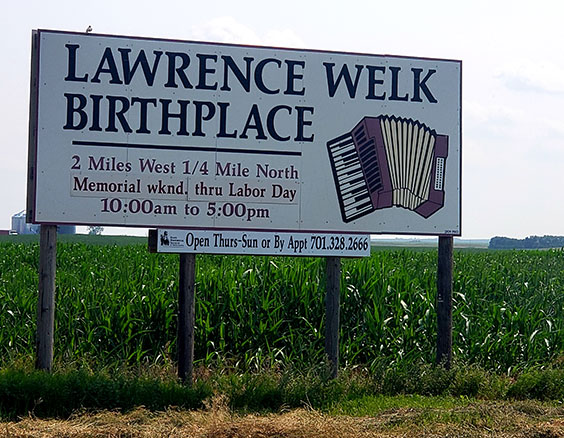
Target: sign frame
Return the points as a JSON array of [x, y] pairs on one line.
[[296, 74]]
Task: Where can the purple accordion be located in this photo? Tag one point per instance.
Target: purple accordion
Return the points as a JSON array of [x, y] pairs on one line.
[[388, 161]]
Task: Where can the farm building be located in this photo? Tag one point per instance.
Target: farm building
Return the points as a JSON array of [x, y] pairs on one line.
[[20, 226]]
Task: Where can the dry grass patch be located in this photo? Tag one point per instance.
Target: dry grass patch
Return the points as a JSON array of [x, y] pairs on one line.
[[505, 420]]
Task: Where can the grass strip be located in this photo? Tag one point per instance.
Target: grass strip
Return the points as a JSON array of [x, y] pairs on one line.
[[61, 394]]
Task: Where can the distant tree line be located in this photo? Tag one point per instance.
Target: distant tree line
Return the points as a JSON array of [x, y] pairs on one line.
[[531, 242]]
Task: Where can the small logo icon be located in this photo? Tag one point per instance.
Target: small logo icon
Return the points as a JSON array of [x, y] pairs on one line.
[[165, 241]]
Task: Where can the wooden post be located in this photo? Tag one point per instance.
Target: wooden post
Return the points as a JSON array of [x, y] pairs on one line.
[[332, 309], [186, 304], [46, 301], [444, 302]]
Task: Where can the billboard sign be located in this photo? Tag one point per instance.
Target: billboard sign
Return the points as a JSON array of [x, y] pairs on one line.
[[160, 133]]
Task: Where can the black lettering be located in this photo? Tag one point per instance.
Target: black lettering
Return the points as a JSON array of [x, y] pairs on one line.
[[173, 70], [270, 122], [96, 165], [204, 70], [394, 96], [114, 114], [302, 122], [344, 74], [254, 122], [223, 122], [78, 109], [243, 78], [421, 85], [293, 76], [141, 59], [259, 75], [71, 72], [166, 115], [143, 104], [200, 117], [80, 186], [95, 122], [111, 69], [373, 82]]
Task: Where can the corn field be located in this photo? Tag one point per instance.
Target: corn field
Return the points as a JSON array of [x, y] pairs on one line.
[[116, 305]]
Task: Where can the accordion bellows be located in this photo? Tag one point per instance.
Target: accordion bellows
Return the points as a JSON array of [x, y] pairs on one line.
[[388, 161]]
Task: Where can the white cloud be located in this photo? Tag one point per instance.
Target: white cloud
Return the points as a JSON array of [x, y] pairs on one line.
[[477, 112], [539, 76], [225, 30], [229, 30], [283, 38]]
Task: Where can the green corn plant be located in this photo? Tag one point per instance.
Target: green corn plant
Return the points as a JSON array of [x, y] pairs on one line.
[[117, 306]]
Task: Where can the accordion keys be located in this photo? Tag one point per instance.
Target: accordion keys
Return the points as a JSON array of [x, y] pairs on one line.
[[352, 189]]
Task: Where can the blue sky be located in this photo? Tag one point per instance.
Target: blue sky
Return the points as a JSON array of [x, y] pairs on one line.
[[513, 81]]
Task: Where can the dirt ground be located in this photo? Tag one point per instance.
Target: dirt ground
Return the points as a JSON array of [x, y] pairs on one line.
[[480, 419]]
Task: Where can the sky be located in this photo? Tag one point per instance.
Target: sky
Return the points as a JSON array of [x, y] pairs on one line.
[[512, 81]]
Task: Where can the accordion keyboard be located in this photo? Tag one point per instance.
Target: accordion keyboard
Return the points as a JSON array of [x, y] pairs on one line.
[[351, 183]]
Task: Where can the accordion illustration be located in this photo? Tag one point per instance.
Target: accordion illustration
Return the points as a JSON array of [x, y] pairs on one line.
[[388, 161]]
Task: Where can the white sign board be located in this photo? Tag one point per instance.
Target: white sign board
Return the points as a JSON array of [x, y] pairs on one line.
[[159, 133], [262, 243]]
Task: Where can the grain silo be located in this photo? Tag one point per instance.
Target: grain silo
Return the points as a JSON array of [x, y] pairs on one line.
[[20, 226]]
